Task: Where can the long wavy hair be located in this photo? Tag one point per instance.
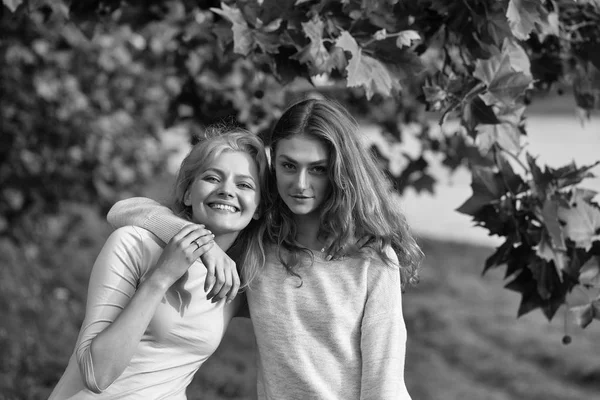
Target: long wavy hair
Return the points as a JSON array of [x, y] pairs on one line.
[[361, 203], [248, 249]]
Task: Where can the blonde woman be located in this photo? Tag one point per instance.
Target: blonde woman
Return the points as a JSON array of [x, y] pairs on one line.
[[149, 325]]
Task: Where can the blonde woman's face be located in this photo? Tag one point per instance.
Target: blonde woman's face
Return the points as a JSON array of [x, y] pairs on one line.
[[301, 171], [226, 193]]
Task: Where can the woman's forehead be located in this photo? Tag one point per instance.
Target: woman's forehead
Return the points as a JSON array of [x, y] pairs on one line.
[[233, 162], [302, 148]]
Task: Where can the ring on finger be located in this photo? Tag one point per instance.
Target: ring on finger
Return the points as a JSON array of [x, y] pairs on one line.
[[197, 245]]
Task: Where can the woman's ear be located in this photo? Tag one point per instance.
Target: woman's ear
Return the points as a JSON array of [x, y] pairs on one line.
[[257, 214], [186, 198]]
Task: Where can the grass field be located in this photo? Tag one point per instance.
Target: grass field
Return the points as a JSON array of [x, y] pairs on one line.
[[464, 340]]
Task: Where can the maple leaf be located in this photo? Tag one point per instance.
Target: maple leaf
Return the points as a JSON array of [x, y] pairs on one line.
[[497, 27], [582, 222], [315, 54], [549, 216], [590, 272], [424, 183], [487, 187], [571, 175], [363, 70], [476, 112], [273, 9], [539, 288], [270, 27], [523, 15], [518, 260], [405, 38], [546, 251], [243, 39], [505, 134], [512, 181], [524, 284], [540, 181], [583, 314], [12, 5], [268, 43], [547, 278], [500, 256], [507, 74], [596, 308]]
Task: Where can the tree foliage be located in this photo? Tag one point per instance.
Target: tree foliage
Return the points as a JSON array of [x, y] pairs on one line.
[[474, 61]]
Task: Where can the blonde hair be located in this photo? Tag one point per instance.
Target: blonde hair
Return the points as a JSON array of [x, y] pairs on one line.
[[247, 251], [361, 203]]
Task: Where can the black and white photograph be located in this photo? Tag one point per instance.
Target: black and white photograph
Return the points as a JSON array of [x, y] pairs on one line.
[[300, 199]]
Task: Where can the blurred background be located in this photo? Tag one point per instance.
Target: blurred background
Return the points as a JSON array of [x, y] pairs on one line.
[[95, 113]]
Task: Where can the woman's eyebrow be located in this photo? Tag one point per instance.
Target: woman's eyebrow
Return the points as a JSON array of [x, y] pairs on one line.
[[290, 159], [222, 173]]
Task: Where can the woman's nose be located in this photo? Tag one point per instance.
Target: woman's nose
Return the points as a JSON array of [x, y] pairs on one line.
[[302, 180], [226, 189]]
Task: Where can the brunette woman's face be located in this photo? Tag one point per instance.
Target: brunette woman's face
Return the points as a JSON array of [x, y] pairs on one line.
[[226, 193], [301, 170]]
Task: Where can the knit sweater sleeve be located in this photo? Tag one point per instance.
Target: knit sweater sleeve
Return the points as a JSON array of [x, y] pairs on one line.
[[383, 337], [148, 214]]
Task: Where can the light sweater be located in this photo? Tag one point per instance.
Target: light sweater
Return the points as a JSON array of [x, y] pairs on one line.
[[185, 330], [340, 336]]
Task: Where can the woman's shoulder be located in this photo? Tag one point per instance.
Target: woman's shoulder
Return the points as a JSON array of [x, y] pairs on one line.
[[376, 259], [133, 247]]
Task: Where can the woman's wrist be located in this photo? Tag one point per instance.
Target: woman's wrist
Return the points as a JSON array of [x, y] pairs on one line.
[[158, 282]]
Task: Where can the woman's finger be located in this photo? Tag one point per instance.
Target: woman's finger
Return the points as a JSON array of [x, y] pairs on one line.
[[210, 276], [220, 281], [202, 248], [199, 241], [178, 237], [221, 294], [198, 235], [234, 287]]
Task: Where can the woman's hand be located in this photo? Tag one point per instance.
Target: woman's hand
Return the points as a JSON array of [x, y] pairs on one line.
[[191, 242], [342, 251], [222, 275]]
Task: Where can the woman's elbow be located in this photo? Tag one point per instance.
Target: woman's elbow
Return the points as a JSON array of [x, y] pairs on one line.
[[91, 387], [92, 384], [97, 383], [93, 379]]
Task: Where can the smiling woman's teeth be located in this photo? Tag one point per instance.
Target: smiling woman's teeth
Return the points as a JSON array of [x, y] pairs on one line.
[[223, 207]]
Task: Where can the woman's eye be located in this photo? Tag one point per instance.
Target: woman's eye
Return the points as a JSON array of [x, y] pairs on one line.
[[246, 186], [211, 179], [320, 169], [288, 166]]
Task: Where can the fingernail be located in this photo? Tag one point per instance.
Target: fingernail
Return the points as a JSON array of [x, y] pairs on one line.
[[328, 258]]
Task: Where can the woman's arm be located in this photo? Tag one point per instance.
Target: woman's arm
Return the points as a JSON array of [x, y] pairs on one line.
[[119, 308], [148, 214], [222, 273], [383, 337]]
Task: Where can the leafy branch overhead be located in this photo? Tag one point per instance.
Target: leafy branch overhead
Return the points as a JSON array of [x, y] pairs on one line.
[[104, 68]]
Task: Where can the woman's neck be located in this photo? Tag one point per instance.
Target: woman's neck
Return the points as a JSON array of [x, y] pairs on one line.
[[225, 240], [307, 234]]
